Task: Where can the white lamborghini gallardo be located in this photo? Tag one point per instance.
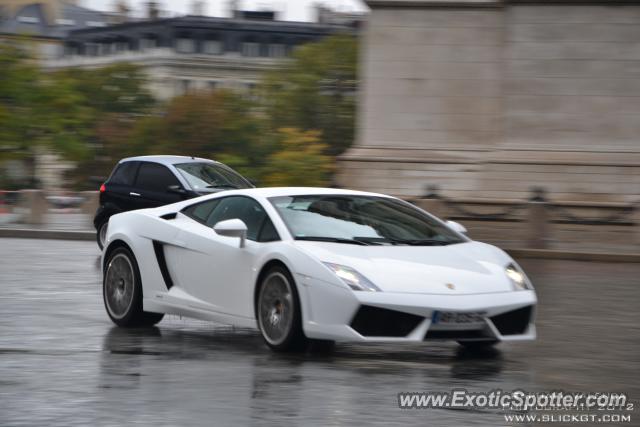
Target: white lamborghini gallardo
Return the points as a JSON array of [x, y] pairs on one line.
[[306, 264]]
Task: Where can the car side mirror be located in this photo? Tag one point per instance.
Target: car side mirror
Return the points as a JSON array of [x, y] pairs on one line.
[[176, 189], [232, 228], [456, 226]]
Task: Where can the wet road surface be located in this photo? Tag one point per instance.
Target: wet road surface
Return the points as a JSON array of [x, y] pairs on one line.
[[62, 362]]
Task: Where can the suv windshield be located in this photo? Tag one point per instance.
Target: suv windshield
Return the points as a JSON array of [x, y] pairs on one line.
[[363, 220], [203, 176]]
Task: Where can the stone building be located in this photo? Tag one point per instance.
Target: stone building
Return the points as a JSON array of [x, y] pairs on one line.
[[194, 52], [487, 99], [46, 23]]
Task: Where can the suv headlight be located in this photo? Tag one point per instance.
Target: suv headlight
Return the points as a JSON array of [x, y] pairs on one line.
[[352, 278], [518, 279]]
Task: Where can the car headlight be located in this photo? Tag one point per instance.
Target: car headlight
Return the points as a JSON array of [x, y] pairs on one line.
[[352, 278], [517, 277]]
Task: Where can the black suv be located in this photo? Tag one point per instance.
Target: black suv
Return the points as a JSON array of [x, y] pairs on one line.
[[151, 181]]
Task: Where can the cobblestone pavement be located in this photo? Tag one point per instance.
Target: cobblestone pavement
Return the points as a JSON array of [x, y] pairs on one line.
[[63, 363]]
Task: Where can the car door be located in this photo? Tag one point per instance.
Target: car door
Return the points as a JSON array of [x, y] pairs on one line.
[[214, 268], [152, 183], [120, 185]]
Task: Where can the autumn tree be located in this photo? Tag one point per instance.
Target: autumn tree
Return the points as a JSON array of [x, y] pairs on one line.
[[316, 91], [299, 160]]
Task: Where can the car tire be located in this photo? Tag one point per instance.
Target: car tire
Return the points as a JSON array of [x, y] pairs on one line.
[[122, 291], [101, 233], [278, 312]]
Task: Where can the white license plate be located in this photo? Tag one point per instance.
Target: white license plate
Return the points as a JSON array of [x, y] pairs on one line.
[[457, 317]]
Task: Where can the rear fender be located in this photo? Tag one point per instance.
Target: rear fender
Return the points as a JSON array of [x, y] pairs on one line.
[[105, 212]]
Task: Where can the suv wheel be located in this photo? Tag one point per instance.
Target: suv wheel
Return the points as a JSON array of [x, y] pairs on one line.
[[101, 234]]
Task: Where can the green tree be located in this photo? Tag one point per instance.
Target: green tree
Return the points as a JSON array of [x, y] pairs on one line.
[[298, 161], [208, 123], [117, 98], [316, 90], [38, 110], [118, 88], [16, 98], [205, 124]]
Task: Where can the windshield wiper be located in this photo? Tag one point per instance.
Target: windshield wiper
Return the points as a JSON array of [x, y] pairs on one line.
[[420, 242], [332, 239]]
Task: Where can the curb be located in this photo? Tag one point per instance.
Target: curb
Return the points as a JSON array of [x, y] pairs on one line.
[[47, 234], [521, 253]]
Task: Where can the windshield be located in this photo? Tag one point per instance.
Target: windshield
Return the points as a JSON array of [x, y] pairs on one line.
[[364, 220], [203, 176]]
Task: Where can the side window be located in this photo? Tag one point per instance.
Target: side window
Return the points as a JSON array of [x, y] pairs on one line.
[[201, 211], [124, 173], [247, 210], [268, 231], [155, 177]]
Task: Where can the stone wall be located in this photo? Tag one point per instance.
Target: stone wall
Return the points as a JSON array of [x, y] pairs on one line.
[[487, 99]]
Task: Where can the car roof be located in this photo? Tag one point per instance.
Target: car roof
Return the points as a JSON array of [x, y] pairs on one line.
[[298, 191], [168, 160], [262, 193]]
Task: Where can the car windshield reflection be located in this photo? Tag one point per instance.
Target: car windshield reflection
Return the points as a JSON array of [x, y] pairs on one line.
[[203, 176], [364, 220]]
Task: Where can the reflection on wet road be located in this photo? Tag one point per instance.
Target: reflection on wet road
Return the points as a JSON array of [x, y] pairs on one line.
[[63, 363]]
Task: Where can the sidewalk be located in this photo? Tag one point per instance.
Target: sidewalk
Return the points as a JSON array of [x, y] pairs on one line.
[[59, 224], [55, 219]]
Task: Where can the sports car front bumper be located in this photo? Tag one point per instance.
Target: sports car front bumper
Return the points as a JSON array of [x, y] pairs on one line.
[[335, 313]]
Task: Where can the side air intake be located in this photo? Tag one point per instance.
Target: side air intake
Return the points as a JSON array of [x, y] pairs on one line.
[[158, 248]]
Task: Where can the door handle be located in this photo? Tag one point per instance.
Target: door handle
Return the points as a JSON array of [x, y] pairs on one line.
[[134, 194]]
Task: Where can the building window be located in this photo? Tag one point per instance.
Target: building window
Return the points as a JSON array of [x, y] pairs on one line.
[[212, 47], [184, 45], [119, 47], [147, 43], [28, 19], [185, 86], [71, 50], [105, 49], [250, 49], [92, 49], [277, 50]]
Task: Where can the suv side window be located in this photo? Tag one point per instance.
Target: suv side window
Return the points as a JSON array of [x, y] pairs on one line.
[[201, 211], [155, 177], [124, 173], [259, 226]]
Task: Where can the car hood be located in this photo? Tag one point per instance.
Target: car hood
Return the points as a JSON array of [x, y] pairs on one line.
[[465, 268]]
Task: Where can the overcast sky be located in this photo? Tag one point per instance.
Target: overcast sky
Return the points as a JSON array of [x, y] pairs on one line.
[[294, 10]]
